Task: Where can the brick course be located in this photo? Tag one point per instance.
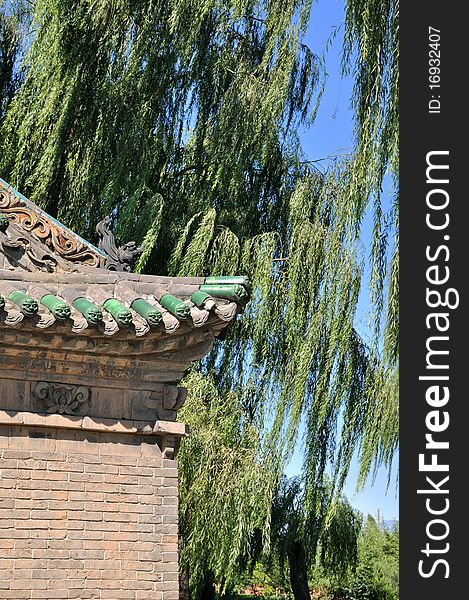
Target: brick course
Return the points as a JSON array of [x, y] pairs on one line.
[[86, 515]]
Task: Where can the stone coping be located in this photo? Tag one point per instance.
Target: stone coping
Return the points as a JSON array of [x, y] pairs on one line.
[[56, 421]]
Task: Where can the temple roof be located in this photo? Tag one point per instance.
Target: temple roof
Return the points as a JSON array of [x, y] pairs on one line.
[[52, 279]]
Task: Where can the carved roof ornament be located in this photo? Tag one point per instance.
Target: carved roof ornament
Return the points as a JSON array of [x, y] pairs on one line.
[[118, 258], [24, 252], [55, 283], [46, 238]]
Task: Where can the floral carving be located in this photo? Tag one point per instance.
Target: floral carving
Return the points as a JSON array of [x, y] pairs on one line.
[[60, 398], [57, 239]]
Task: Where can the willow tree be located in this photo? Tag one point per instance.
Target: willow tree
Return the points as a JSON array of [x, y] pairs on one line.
[[220, 469], [305, 536], [371, 55], [13, 19], [180, 119]]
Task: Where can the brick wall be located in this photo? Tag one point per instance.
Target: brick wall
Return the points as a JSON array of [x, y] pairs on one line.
[[86, 515]]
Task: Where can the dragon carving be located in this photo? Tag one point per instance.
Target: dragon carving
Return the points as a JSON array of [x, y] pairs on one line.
[[119, 258]]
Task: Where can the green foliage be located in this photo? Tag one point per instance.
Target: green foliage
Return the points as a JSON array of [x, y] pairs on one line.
[[328, 531], [7, 55], [372, 575], [13, 22], [156, 206], [122, 100], [371, 54], [377, 575], [225, 486]]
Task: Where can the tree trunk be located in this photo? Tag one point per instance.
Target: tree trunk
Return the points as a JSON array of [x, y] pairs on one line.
[[184, 591], [208, 587], [298, 571]]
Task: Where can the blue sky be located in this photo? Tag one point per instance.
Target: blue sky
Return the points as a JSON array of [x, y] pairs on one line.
[[332, 133]]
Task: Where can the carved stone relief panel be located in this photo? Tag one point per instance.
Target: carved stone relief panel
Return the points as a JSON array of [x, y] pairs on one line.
[[61, 398], [58, 239]]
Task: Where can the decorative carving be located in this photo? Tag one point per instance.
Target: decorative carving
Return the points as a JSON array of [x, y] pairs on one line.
[[149, 312], [121, 315], [119, 258], [27, 304], [60, 398], [20, 251], [46, 262], [48, 231], [175, 306], [226, 312], [44, 319], [59, 308], [91, 312]]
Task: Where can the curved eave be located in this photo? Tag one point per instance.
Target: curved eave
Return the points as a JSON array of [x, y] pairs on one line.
[[97, 285]]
